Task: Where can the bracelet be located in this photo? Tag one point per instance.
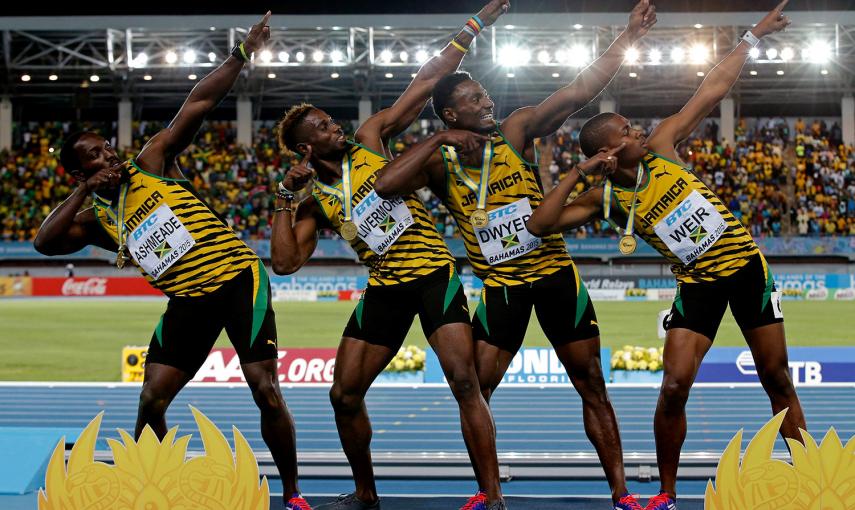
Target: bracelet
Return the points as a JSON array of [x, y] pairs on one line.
[[283, 192], [478, 21], [473, 25], [583, 174], [750, 38], [239, 52], [459, 46], [469, 30], [280, 209]]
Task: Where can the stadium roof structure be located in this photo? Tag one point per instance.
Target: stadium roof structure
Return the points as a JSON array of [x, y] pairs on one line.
[[334, 60]]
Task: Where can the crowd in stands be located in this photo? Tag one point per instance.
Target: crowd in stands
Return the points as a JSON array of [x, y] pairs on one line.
[[776, 182]]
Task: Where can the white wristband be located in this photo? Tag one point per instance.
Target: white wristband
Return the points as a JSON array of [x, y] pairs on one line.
[[750, 38]]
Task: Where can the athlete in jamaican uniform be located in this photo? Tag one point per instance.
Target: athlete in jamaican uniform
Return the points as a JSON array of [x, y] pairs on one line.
[[146, 210], [650, 192], [487, 176], [410, 269]]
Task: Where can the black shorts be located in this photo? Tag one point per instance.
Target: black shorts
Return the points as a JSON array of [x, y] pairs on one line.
[[191, 325], [560, 300], [750, 292], [385, 313]]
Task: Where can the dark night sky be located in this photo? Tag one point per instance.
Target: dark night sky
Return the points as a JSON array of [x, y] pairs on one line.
[[82, 7]]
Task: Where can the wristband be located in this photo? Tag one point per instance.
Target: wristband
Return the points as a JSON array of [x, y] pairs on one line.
[[583, 174], [284, 193], [750, 38], [469, 30], [459, 46], [477, 20], [239, 52], [280, 209]]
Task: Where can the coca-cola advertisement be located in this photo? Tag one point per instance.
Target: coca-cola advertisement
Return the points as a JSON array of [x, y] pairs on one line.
[[94, 286], [294, 366]]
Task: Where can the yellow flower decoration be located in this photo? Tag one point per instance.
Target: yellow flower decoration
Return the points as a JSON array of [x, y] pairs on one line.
[[153, 475], [821, 477]]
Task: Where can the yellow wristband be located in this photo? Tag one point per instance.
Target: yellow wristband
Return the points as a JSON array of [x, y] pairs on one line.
[[459, 46]]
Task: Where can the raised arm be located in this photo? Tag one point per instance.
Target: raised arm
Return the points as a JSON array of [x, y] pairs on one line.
[[422, 165], [676, 128], [529, 123], [205, 96], [390, 122], [293, 242]]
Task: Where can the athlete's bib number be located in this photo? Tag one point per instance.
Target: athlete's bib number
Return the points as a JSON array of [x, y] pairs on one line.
[[505, 236], [691, 228], [159, 241], [381, 222]]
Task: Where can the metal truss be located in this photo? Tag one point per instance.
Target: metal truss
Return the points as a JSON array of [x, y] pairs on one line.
[[339, 65]]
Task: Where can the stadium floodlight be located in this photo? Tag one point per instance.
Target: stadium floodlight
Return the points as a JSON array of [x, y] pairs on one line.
[[317, 55], [53, 77], [698, 54], [422, 56], [191, 76], [300, 56], [389, 75], [561, 56], [818, 52], [655, 56], [631, 56], [511, 75], [824, 72], [512, 55], [266, 56], [700, 74], [678, 55], [787, 54], [780, 72], [141, 60], [413, 75], [754, 52], [212, 57], [577, 26], [436, 53], [772, 53], [386, 56], [698, 25], [271, 75], [579, 56], [189, 56], [404, 56], [555, 75], [147, 77], [284, 56], [633, 75], [334, 75], [752, 72], [543, 57], [25, 77], [94, 78], [171, 57], [336, 56]]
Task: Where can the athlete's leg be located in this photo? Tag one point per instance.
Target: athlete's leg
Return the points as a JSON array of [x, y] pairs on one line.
[[277, 426], [581, 359], [684, 351], [455, 349], [160, 385], [357, 364], [770, 356]]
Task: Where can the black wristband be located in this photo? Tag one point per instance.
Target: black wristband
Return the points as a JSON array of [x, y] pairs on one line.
[[239, 52]]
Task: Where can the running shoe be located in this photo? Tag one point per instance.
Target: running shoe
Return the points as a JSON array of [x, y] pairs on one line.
[[661, 502], [628, 502], [297, 503], [350, 502], [476, 502]]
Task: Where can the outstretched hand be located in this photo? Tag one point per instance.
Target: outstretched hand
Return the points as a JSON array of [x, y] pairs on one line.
[[491, 12], [299, 175], [258, 35], [641, 19], [773, 22]]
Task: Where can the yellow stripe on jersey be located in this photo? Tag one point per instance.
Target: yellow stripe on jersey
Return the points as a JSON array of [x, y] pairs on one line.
[[512, 178], [217, 255], [418, 251], [666, 186]]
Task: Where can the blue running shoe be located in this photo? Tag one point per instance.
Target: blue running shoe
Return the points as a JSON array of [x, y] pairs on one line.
[[628, 502], [663, 501]]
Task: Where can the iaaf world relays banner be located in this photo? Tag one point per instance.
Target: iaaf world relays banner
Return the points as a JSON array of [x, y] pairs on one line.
[[294, 366]]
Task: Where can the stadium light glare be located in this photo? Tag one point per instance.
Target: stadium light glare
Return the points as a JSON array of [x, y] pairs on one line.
[[284, 56], [266, 56], [510, 75], [754, 53], [787, 54], [780, 72], [53, 77], [700, 73], [422, 56], [51, 150], [544, 57], [436, 53], [141, 60], [633, 75], [698, 54], [317, 55], [386, 56], [191, 76], [555, 75], [579, 56], [678, 55], [404, 56], [147, 77], [818, 52], [171, 57], [752, 72], [300, 56], [655, 57], [189, 57], [25, 77], [94, 78], [631, 56], [577, 26], [772, 53], [334, 75], [389, 75], [514, 56], [336, 56], [212, 57], [271, 76], [824, 72], [698, 25], [413, 75]]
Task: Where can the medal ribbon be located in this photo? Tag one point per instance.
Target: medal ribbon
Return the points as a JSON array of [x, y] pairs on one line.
[[344, 195], [481, 189], [117, 215], [607, 199]]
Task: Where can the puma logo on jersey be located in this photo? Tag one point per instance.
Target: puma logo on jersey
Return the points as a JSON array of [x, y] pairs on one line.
[[504, 162], [137, 188], [360, 165], [271, 342]]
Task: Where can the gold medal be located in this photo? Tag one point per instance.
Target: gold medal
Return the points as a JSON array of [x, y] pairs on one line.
[[348, 230], [627, 244], [121, 258], [479, 218]]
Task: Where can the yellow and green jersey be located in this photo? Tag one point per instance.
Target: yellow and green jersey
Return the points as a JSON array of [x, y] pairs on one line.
[[503, 253], [678, 215], [181, 247], [396, 239]]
